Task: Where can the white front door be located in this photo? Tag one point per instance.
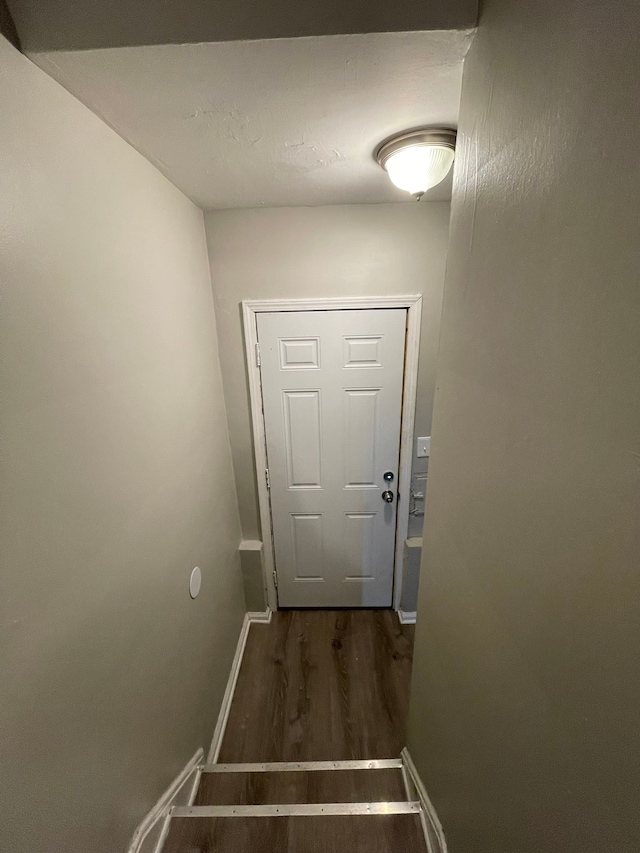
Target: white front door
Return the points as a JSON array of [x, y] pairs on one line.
[[332, 399]]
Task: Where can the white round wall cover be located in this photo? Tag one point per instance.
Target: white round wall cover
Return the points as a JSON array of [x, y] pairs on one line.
[[195, 582]]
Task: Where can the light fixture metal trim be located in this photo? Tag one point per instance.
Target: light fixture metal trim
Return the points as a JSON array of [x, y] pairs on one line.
[[442, 136]]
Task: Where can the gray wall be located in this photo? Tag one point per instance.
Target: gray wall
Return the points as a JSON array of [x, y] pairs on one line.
[[84, 24], [350, 250], [525, 708], [7, 26], [114, 438]]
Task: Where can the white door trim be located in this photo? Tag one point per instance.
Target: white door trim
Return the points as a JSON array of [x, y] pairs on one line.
[[252, 307]]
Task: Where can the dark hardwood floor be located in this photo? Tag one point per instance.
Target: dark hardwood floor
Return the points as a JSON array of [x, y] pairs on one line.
[[326, 834], [321, 685], [313, 686], [316, 786]]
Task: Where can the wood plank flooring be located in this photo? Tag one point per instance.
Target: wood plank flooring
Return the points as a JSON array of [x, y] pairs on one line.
[[313, 686], [321, 685], [317, 834], [292, 786]]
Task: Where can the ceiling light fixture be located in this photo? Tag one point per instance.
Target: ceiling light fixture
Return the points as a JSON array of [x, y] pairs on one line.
[[418, 159]]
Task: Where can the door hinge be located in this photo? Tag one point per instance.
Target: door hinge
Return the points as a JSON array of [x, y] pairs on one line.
[[275, 579], [258, 355], [267, 478]]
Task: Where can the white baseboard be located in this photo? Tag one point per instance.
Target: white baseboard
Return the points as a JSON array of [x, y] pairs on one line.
[[260, 616], [150, 833], [407, 617], [434, 834], [223, 716]]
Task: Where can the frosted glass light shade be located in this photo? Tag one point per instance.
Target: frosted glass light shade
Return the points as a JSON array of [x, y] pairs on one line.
[[417, 160], [419, 167]]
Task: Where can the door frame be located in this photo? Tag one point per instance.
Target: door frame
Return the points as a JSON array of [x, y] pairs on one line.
[[250, 309]]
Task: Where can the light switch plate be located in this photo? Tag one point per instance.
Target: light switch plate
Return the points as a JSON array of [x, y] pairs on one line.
[[423, 447]]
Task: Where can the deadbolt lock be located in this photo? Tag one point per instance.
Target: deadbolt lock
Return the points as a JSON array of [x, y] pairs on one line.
[[388, 476]]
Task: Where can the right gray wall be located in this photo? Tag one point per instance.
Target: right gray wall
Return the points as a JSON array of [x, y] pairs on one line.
[[525, 706]]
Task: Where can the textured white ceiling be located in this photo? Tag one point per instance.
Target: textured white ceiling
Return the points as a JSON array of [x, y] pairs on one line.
[[274, 122]]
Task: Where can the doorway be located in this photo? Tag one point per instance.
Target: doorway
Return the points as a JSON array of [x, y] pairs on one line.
[[333, 386]]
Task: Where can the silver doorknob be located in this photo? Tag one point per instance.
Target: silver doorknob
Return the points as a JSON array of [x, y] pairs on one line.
[[388, 497], [388, 476]]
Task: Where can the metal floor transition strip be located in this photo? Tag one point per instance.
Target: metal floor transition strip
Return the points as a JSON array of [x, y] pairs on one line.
[[297, 810], [284, 766]]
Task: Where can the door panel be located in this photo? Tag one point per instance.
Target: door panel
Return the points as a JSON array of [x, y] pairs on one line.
[[299, 353], [302, 437], [361, 436], [308, 545], [332, 397], [359, 541]]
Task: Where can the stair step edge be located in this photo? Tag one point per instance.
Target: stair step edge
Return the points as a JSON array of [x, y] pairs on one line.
[[305, 766], [298, 809]]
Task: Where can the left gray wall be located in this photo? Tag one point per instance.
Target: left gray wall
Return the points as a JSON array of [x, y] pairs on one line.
[[7, 26], [114, 443]]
